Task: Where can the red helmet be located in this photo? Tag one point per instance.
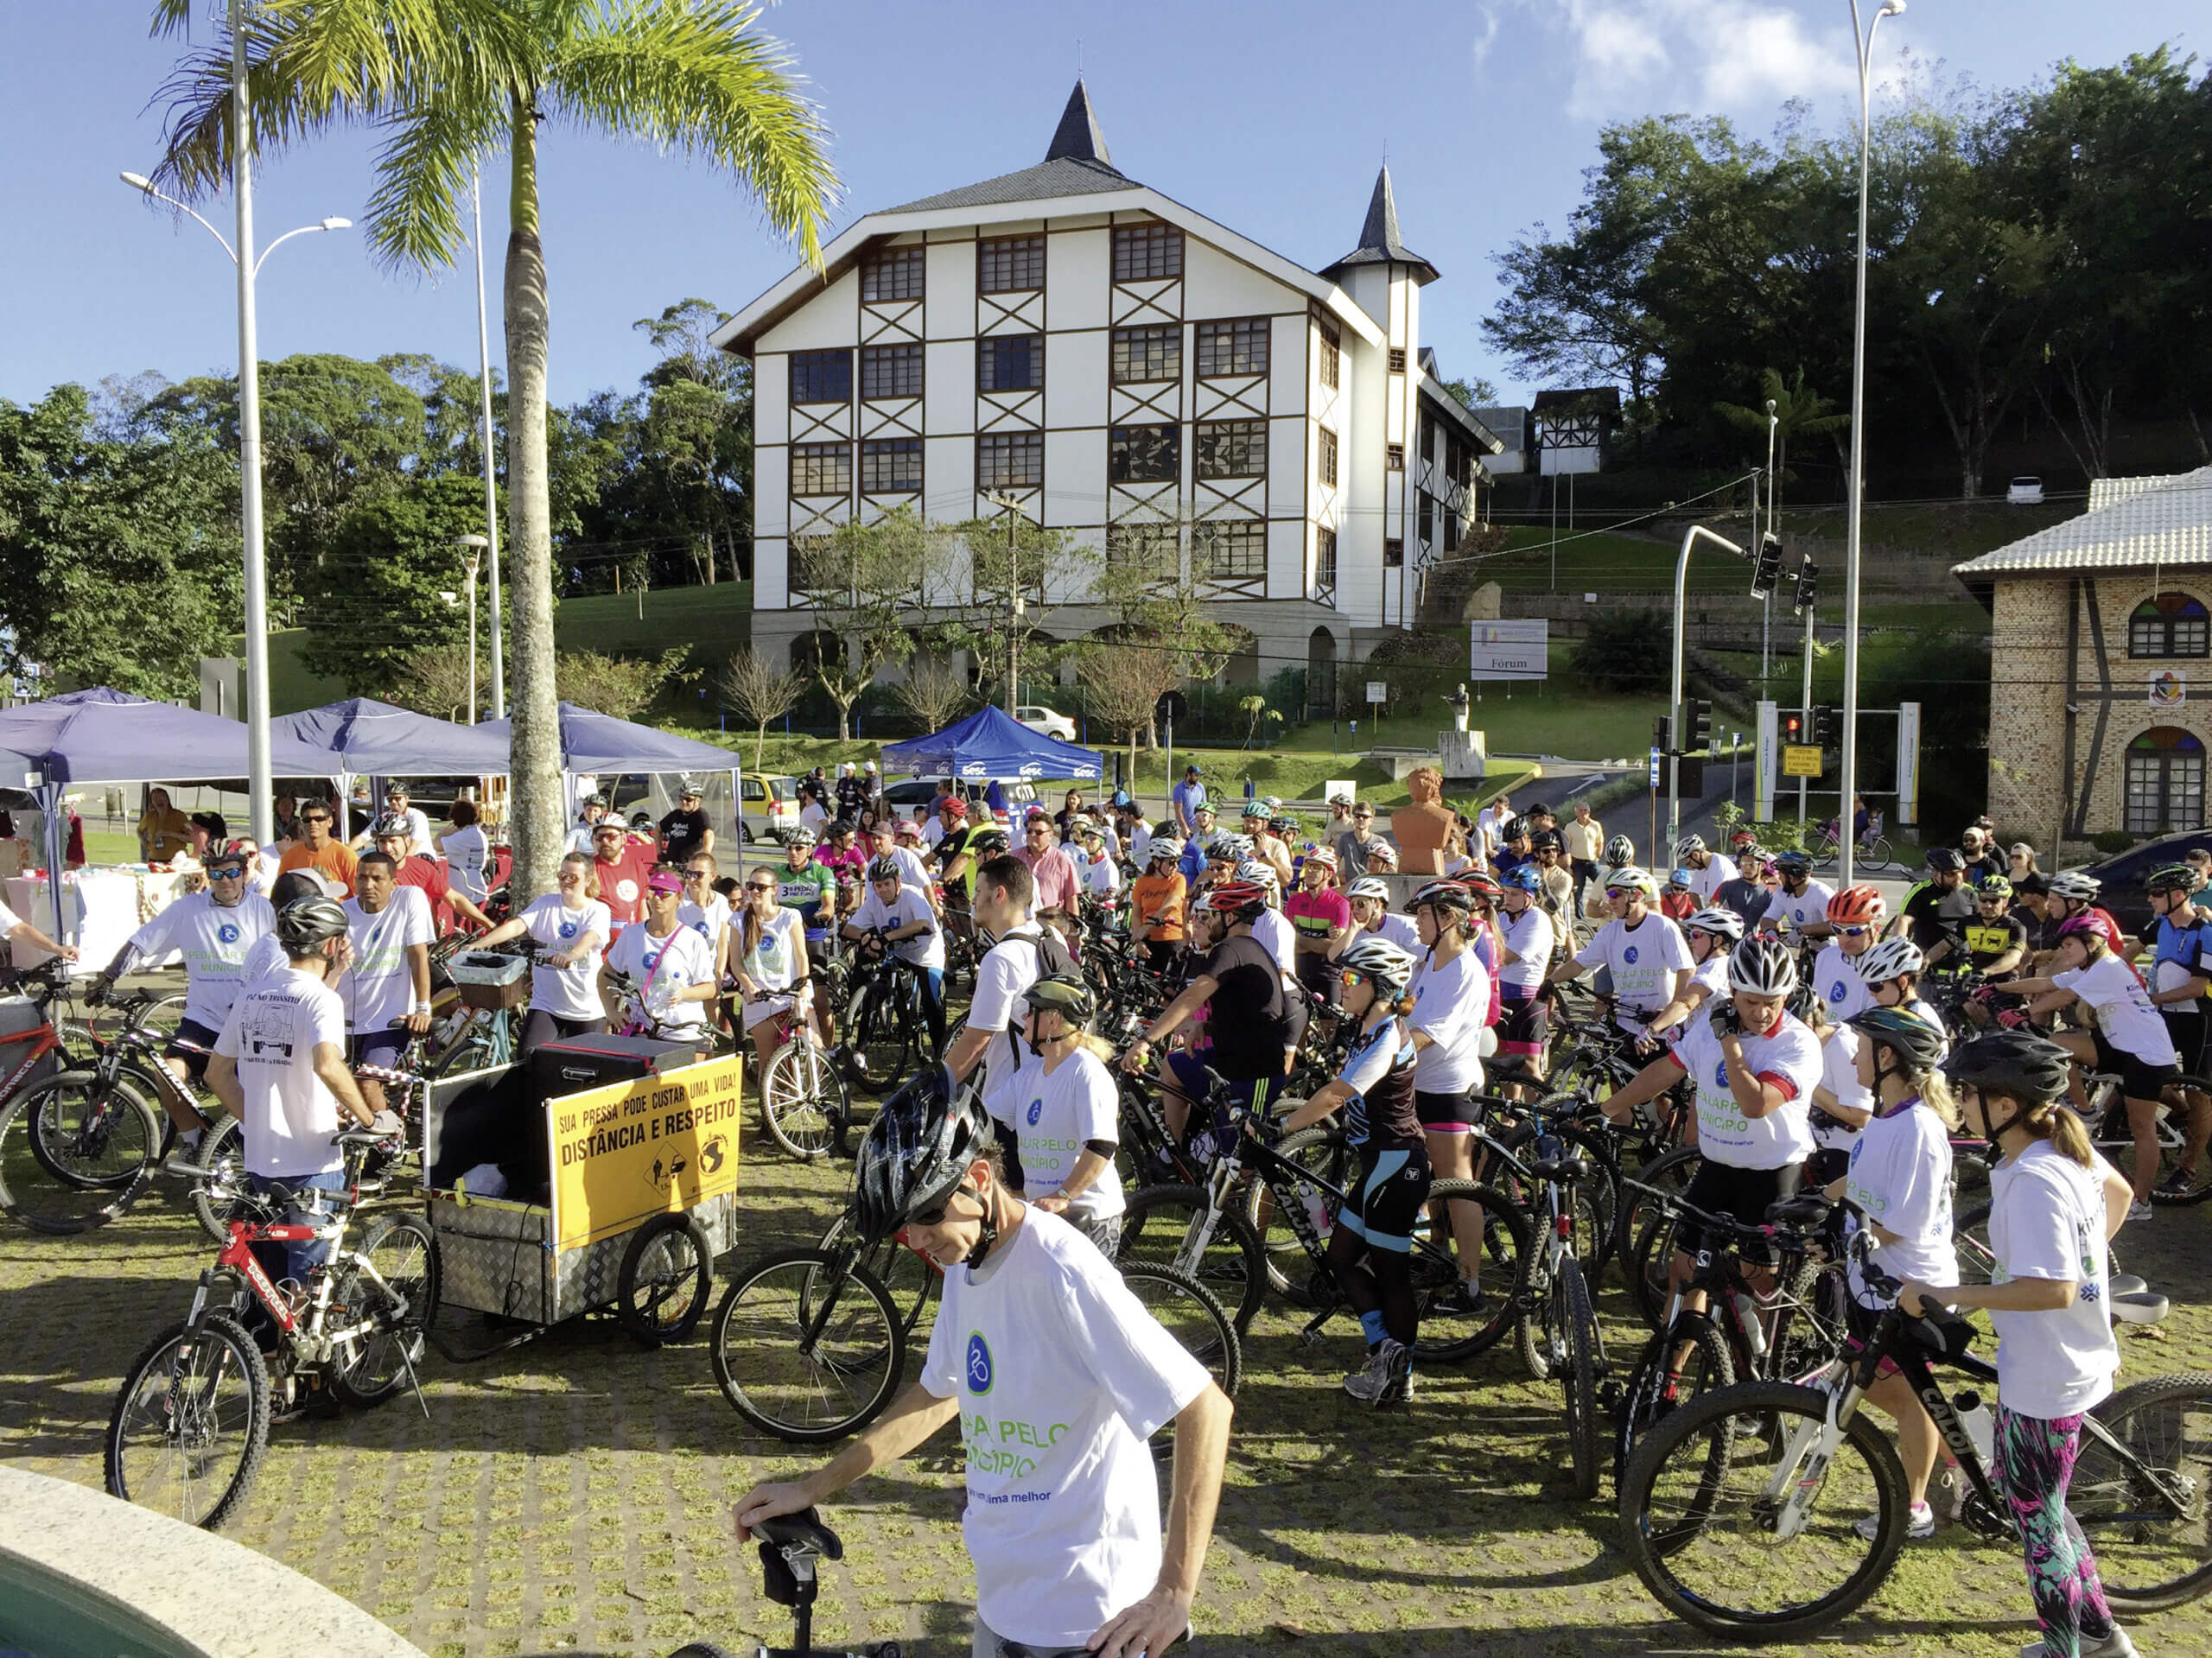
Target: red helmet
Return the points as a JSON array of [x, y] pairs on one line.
[[1742, 837], [1237, 897], [1856, 907], [1482, 885], [956, 806]]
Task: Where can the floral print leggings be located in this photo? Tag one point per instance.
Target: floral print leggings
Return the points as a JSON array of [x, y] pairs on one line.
[[2035, 1460]]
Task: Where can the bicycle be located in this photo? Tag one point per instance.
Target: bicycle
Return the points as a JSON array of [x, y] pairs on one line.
[[191, 1422], [805, 1105], [1748, 1471], [1872, 846], [476, 1028], [1559, 1336], [885, 1029], [790, 1544]]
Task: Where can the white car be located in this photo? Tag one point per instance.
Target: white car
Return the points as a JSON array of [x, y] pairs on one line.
[[1043, 720], [2024, 491]]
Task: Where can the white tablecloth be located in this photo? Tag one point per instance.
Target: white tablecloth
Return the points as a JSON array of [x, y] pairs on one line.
[[101, 908]]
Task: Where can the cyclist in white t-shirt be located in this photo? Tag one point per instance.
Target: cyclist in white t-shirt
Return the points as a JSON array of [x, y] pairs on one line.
[[1067, 1113], [1855, 920], [386, 992], [1800, 903], [1711, 934], [570, 927], [1057, 1374], [1371, 915], [671, 966], [901, 914], [991, 1037], [1708, 868], [467, 854], [1642, 952]]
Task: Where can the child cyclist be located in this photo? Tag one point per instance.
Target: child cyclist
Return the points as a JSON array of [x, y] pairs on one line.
[[2054, 1205], [1370, 1251]]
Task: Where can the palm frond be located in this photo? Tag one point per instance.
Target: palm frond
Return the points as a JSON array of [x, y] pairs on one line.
[[195, 100], [699, 79], [423, 179]]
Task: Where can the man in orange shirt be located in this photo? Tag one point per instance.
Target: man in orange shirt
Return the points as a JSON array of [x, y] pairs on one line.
[[318, 849], [1159, 893]]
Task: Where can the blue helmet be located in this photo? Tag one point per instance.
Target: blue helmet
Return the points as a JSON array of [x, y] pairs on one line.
[[1522, 876]]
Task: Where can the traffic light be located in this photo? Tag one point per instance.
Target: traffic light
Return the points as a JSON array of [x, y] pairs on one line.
[[1662, 739], [1824, 726], [1697, 725], [1766, 566], [1808, 585], [1793, 728]]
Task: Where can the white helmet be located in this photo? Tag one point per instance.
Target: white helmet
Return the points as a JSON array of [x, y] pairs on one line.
[[2072, 884], [1164, 846], [1390, 967], [1762, 967], [1229, 848], [1628, 878], [1259, 873], [1686, 845], [1370, 887], [1721, 923], [1889, 959]]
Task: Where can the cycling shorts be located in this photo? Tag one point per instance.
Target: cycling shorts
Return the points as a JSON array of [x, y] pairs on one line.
[[2185, 1029], [1523, 1024], [2138, 1079], [1744, 1194], [192, 1042], [1445, 1114], [1385, 1204], [386, 1048]]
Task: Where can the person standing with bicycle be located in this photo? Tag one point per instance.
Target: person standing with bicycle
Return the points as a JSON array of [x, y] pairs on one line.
[[570, 927], [768, 955], [897, 913], [671, 967], [2054, 1207], [386, 991], [1450, 990], [1057, 1374]]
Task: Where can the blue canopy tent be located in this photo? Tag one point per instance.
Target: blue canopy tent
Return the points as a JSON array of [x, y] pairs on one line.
[[361, 737], [990, 745], [105, 736]]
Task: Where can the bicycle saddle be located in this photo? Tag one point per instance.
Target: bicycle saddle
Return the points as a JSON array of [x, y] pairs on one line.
[[803, 1532], [1804, 1210], [2126, 1284], [350, 1138], [2138, 1306]]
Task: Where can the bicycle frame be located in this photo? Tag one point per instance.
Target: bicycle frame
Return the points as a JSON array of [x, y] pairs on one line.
[[44, 1039]]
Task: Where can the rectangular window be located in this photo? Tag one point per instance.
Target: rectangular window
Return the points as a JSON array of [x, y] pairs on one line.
[[1394, 457], [1014, 265], [821, 376], [1426, 521], [1154, 549], [1331, 353], [1146, 252], [893, 274], [1148, 353], [1237, 348], [1324, 558], [2165, 792], [1393, 552], [822, 468], [1427, 435], [1450, 532], [1397, 360], [891, 371], [1328, 457], [815, 566], [891, 466], [1231, 552], [1232, 449], [1010, 459], [1010, 362], [1144, 455]]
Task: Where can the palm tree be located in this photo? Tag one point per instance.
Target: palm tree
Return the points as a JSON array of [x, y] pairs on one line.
[[1799, 411], [443, 82]]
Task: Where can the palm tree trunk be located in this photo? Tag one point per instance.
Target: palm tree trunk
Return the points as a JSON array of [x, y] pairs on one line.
[[534, 749]]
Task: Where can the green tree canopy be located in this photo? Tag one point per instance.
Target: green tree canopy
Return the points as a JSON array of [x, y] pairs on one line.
[[374, 598]]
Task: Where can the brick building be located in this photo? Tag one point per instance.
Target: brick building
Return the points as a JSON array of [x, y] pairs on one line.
[[2101, 647]]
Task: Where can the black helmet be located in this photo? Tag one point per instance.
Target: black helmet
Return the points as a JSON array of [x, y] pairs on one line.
[[293, 886], [990, 843], [1066, 994], [1793, 862], [1943, 858], [2018, 1063], [392, 826], [305, 922], [883, 869], [1914, 1040], [917, 1153]]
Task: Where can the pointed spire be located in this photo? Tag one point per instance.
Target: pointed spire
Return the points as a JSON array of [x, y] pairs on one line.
[[1078, 136], [1378, 236]]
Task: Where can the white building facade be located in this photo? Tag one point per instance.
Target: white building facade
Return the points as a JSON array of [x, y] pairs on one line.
[[1108, 359]]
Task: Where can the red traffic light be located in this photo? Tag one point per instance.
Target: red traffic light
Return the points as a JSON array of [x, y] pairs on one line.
[[1789, 725]]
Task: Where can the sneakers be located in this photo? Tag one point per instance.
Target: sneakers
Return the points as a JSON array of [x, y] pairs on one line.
[[2115, 1645], [1386, 1379], [2179, 1183], [1920, 1525], [2140, 1210], [1466, 1297], [1951, 1492]]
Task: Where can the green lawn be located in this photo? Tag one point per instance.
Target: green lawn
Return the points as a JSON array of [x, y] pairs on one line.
[[1953, 528], [1602, 561]]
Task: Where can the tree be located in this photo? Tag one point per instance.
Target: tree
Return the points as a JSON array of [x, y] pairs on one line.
[[622, 686], [1255, 709], [376, 596], [1123, 677], [867, 578], [1477, 393], [436, 681], [445, 80], [1799, 412], [972, 575], [759, 692], [933, 691]]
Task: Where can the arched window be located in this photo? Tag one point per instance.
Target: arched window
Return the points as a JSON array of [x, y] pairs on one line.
[[2170, 625], [2165, 782], [1321, 672]]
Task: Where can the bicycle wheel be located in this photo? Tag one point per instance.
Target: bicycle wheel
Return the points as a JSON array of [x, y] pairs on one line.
[[1676, 1367], [219, 1193], [1161, 1222], [1192, 1315], [1648, 1267], [667, 1274], [1455, 1335], [475, 1048], [2188, 1186], [1322, 1152], [802, 1101], [1579, 1376], [1595, 1199], [1703, 1513], [1672, 1171], [75, 1152], [808, 1348], [191, 1424], [909, 1277], [879, 1039], [2149, 1523], [397, 1303]]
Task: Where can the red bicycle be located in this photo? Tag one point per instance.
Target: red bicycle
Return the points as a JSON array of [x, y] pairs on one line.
[[191, 1424]]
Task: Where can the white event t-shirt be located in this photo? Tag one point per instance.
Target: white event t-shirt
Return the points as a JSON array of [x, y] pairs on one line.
[[1704, 882], [468, 856], [1805, 909], [2047, 1220], [708, 920], [288, 1114], [675, 963], [213, 940], [1002, 976], [1640, 958], [1055, 1114], [1529, 936], [1900, 1175], [924, 949], [379, 988], [1451, 1003], [570, 992], [2123, 1008], [1836, 981], [1062, 1375], [1789, 1056]]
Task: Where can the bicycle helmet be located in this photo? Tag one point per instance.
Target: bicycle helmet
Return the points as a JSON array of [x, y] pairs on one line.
[[1164, 849], [2082, 927], [1322, 857], [1793, 862], [1620, 851], [1630, 878], [1385, 851], [1680, 877], [1258, 874], [1370, 887], [1721, 924], [800, 835], [1237, 899], [1856, 907], [955, 807], [1551, 838], [1480, 885], [306, 923], [1688, 847], [1229, 848], [918, 1153], [1521, 879], [2001, 886], [1442, 895], [883, 869], [1762, 967], [293, 886], [991, 843], [1741, 838], [1064, 994], [1890, 959], [2018, 1063], [1911, 1037], [390, 827], [2073, 885], [2176, 878], [1943, 859], [1202, 904], [1513, 828], [1388, 967]]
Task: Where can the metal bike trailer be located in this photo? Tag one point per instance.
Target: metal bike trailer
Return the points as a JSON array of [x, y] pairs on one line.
[[498, 1257]]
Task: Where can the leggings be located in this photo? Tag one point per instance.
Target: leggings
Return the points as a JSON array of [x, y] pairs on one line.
[[2035, 1459]]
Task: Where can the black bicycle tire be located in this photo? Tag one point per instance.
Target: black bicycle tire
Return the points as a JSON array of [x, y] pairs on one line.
[[226, 1138], [786, 1058], [2086, 1486], [1500, 1213], [1641, 1408], [1638, 1218], [412, 1331], [1338, 1168], [1650, 1562], [642, 1320], [867, 1008], [891, 1262], [258, 1412], [21, 1113], [122, 1083], [1580, 1385], [1232, 1228], [1225, 1362], [1593, 1244], [891, 1363]]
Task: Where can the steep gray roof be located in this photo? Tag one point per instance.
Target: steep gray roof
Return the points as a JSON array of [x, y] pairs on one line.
[[1378, 236], [1079, 137], [2132, 522], [1064, 175]]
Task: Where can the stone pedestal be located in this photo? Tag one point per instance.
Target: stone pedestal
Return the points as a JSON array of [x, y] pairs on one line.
[[1464, 757]]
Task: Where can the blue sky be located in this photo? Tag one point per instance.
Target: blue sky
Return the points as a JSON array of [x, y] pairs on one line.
[[1268, 115]]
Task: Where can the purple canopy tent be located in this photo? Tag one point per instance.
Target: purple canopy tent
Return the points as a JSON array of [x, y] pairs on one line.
[[362, 737]]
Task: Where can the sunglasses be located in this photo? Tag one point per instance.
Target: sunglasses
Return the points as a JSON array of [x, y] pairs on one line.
[[316, 817], [1853, 932], [696, 874], [228, 872], [1351, 976], [759, 886]]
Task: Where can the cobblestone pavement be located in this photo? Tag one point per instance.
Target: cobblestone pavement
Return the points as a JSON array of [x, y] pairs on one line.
[[571, 1495]]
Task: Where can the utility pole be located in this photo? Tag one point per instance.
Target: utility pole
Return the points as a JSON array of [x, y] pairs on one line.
[[1015, 607], [261, 803]]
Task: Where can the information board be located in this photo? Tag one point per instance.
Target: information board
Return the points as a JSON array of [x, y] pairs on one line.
[[628, 1151], [1511, 649]]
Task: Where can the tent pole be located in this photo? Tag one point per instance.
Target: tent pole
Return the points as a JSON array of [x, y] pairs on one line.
[[57, 852]]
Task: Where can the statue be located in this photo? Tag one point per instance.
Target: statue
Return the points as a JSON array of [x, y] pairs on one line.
[[1459, 702], [1421, 826]]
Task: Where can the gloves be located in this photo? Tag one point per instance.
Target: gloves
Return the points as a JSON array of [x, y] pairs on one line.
[[97, 993], [388, 1122]]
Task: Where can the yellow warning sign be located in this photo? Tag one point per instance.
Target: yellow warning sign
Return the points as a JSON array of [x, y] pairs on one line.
[[628, 1151], [1800, 760]]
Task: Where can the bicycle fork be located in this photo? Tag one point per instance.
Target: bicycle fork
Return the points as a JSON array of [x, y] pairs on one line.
[[1804, 1465]]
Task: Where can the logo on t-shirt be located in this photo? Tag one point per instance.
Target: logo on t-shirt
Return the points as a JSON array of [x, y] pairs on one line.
[[1036, 1110], [1837, 992], [228, 932], [979, 1363], [1629, 956], [567, 930], [626, 890], [1720, 1076], [651, 960]]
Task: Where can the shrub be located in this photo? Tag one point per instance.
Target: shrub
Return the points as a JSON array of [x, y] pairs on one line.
[[2112, 839], [1625, 650]]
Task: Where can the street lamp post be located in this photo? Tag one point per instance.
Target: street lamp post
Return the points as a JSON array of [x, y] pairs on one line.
[[472, 552], [1759, 540], [1847, 831], [491, 487], [1675, 732]]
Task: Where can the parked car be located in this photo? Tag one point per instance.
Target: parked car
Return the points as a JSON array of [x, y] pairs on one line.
[[2123, 873], [2024, 491], [1048, 721], [766, 803]]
